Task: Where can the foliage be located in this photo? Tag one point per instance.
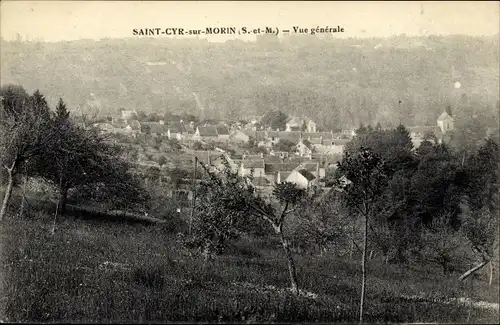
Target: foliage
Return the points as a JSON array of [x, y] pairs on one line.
[[275, 120], [284, 145], [25, 132]]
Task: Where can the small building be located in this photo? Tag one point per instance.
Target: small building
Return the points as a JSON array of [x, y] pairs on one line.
[[257, 166], [304, 148], [292, 136], [176, 130], [222, 133], [158, 130], [206, 133], [302, 178], [274, 170], [331, 147], [238, 136], [445, 122], [294, 123], [281, 154], [419, 134]]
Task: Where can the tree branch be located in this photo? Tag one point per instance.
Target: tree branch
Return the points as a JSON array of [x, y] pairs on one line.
[[283, 214]]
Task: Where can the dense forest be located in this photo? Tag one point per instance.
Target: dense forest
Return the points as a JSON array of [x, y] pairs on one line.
[[341, 83]]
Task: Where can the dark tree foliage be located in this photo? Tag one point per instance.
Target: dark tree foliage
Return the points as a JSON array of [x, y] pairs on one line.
[[275, 120], [285, 145], [80, 159]]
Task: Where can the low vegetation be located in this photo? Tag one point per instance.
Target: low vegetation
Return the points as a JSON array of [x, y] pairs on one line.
[[95, 271]]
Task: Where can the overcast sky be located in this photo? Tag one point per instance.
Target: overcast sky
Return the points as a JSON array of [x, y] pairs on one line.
[[58, 20]]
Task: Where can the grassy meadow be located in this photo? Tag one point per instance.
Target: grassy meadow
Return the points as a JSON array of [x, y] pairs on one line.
[[97, 270]]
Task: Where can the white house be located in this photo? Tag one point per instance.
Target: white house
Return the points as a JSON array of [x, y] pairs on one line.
[[302, 178], [304, 148], [445, 122]]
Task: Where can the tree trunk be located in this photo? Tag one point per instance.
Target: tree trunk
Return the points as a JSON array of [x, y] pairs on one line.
[[491, 273], [471, 271], [291, 264], [7, 195], [63, 199], [21, 210], [363, 270]]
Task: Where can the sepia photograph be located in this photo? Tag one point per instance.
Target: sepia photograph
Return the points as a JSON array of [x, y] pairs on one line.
[[236, 162]]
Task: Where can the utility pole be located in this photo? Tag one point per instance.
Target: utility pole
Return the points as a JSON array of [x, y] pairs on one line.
[[194, 195]]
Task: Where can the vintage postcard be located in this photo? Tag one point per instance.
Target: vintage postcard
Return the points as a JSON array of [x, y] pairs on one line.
[[249, 161]]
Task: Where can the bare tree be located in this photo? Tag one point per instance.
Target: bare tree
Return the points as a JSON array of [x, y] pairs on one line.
[[24, 132]]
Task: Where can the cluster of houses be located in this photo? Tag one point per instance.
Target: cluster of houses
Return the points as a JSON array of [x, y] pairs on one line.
[[438, 133], [315, 152], [301, 132], [267, 170]]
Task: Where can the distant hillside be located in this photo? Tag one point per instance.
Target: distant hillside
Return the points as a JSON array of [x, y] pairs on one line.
[[339, 83]]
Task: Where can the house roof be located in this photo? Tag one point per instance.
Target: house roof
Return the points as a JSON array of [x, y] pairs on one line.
[[272, 134], [293, 136], [325, 135], [253, 163], [238, 133], [222, 130], [284, 175], [252, 157], [273, 159], [306, 143], [257, 135], [207, 131], [444, 116], [311, 167], [307, 174], [158, 128], [315, 140], [176, 127], [279, 167], [340, 142]]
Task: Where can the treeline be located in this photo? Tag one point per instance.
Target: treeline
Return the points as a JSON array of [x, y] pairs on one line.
[[38, 142]]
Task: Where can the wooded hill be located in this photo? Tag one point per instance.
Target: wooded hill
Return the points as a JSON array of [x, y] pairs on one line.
[[339, 83]]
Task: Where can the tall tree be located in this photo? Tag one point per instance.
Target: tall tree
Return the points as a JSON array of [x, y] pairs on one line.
[[363, 180]]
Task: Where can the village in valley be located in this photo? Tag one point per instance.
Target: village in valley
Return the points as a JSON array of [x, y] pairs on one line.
[[341, 170], [298, 153]]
